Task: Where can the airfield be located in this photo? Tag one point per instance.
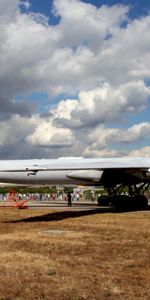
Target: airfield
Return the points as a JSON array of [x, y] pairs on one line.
[[50, 251]]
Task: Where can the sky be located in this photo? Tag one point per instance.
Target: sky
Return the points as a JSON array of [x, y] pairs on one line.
[[74, 78]]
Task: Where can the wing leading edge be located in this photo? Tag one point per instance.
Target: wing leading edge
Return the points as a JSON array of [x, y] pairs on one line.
[[74, 164]]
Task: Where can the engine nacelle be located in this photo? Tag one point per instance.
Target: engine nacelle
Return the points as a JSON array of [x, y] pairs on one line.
[[86, 175]]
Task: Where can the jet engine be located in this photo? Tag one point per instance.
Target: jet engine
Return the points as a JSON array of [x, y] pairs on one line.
[[92, 176]]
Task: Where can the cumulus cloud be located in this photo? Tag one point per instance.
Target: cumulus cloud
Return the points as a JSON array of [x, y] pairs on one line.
[[8, 9], [46, 134], [26, 4], [54, 64], [105, 104], [143, 152], [16, 129], [100, 65], [103, 153], [103, 137], [89, 25]]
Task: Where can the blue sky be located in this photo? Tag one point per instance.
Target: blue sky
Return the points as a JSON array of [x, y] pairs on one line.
[[138, 7], [77, 84]]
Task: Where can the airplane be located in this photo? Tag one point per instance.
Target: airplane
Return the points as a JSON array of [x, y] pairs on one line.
[[114, 174]]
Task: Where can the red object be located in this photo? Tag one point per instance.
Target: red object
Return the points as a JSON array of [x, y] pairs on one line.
[[14, 201], [21, 205]]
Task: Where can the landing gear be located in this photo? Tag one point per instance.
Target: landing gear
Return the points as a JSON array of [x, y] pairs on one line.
[[104, 200], [134, 198], [129, 202]]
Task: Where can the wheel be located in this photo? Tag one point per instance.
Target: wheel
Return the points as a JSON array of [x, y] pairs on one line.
[[103, 200], [142, 202]]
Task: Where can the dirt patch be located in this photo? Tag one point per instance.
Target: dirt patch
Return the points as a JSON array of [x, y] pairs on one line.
[[56, 232]]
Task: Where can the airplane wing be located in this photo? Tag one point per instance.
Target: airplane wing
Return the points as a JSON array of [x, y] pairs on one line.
[[99, 164], [111, 173], [99, 171], [75, 164]]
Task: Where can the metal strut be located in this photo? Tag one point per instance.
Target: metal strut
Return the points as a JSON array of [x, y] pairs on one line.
[[132, 190], [131, 198]]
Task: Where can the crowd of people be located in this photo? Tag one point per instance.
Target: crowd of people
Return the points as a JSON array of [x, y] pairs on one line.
[[59, 195]]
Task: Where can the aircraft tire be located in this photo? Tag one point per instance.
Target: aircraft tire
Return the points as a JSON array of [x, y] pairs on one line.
[[103, 200], [130, 202]]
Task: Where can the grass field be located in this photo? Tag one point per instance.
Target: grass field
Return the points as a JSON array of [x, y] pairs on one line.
[[47, 254]]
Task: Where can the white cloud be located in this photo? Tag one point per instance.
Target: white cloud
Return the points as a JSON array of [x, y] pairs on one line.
[[83, 23], [64, 109], [135, 133], [16, 129], [143, 152], [8, 9], [105, 104], [25, 4], [102, 153], [99, 140], [50, 66], [88, 55], [126, 56], [46, 134]]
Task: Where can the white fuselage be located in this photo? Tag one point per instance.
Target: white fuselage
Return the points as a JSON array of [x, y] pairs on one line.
[[43, 178]]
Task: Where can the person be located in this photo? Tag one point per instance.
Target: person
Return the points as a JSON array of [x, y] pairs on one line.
[[69, 199]]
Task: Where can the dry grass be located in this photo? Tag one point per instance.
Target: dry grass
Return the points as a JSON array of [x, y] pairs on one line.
[[77, 256]]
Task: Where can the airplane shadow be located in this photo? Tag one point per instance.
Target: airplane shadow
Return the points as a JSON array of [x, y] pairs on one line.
[[61, 215]]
